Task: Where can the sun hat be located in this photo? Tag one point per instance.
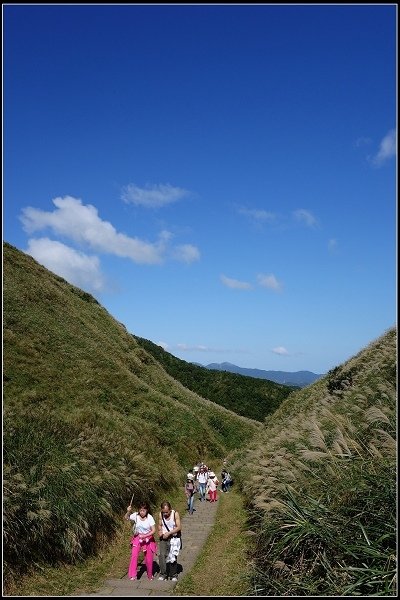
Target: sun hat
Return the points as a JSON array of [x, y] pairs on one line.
[[211, 474], [195, 469], [190, 476]]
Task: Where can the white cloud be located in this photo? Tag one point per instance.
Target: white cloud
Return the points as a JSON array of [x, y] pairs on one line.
[[152, 196], [82, 224], [305, 216], [235, 283], [269, 281], [387, 149], [76, 267], [280, 350]]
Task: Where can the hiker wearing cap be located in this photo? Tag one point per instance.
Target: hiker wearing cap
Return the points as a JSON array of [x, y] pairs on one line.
[[211, 486], [202, 477], [190, 491]]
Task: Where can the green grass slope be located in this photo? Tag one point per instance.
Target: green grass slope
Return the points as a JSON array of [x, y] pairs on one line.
[[320, 481], [89, 418], [248, 396]]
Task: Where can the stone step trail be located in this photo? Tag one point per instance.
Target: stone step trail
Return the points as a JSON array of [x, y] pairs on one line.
[[195, 530]]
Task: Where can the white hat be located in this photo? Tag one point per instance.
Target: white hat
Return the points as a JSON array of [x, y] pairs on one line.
[[211, 474], [195, 469], [190, 476]]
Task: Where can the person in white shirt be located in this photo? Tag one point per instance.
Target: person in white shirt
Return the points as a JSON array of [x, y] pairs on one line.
[[202, 477]]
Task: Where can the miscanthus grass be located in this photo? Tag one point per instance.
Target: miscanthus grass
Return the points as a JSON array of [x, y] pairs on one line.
[[330, 530]]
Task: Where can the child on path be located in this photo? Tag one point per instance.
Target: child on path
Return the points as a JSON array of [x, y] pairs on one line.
[[142, 540]]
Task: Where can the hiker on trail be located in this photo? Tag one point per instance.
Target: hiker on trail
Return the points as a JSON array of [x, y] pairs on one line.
[[169, 531], [226, 480], [223, 473], [144, 528], [202, 477], [190, 490], [211, 486]]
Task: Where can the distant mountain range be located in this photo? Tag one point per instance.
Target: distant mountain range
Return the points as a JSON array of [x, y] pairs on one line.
[[299, 378]]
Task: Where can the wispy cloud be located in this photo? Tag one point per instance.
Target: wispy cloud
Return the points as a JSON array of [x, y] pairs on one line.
[[257, 216], [362, 141], [387, 149], [306, 217], [269, 281], [163, 345], [152, 195], [195, 348], [203, 348], [76, 267], [82, 224], [280, 350], [235, 283], [332, 245], [185, 253]]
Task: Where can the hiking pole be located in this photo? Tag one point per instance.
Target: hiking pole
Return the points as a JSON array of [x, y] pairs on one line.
[[130, 503]]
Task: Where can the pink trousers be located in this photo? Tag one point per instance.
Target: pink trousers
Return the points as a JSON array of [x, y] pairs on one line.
[[213, 495], [148, 549]]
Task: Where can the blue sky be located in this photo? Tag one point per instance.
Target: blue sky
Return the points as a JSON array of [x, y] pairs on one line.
[[222, 178]]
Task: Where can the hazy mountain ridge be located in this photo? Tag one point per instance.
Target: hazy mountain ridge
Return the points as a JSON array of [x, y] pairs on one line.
[[249, 396], [296, 378]]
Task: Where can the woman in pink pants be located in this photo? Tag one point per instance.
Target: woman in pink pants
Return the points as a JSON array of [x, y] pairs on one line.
[[142, 540]]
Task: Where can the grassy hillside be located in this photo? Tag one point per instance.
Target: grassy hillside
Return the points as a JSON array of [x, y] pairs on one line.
[[320, 481], [248, 396], [90, 417]]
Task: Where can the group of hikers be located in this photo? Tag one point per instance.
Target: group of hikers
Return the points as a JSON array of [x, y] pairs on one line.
[[202, 480]]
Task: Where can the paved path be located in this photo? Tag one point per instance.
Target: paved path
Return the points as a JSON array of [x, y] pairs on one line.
[[195, 530]]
